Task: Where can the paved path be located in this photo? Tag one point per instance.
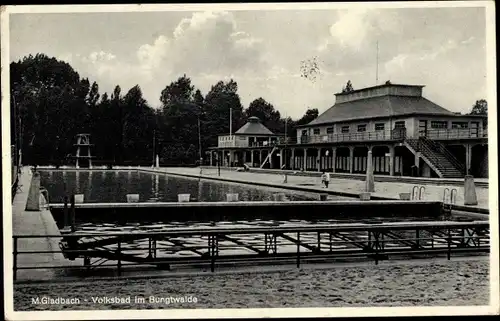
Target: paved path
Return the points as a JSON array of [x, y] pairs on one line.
[[35, 223], [377, 177], [387, 189]]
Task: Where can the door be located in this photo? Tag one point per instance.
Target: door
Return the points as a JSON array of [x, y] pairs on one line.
[[303, 138], [422, 128], [399, 131], [474, 129]]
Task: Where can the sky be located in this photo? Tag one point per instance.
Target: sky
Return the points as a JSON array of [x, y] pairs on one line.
[[264, 50]]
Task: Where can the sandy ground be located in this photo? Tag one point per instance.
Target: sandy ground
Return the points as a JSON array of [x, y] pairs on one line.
[[388, 189], [411, 283]]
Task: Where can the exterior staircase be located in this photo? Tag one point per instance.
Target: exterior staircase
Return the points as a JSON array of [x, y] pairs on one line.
[[268, 157], [437, 157]]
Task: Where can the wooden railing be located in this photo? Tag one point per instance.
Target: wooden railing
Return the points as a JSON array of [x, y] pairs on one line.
[[455, 133], [379, 135], [297, 244]]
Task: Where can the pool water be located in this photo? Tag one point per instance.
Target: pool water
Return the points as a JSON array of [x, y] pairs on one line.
[[113, 186]]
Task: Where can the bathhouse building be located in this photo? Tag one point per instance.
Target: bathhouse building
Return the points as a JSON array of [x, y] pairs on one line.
[[406, 134]]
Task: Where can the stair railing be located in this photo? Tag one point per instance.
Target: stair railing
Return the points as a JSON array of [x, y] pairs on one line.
[[429, 153], [442, 149]]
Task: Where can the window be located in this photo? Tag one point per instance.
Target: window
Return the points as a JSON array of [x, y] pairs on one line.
[[439, 124], [380, 126], [345, 129], [304, 132], [316, 131], [329, 130], [362, 128], [399, 124], [459, 125]]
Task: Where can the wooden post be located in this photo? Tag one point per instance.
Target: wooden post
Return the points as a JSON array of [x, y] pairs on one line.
[[212, 256], [298, 249], [334, 159], [370, 185], [15, 258], [73, 220], [391, 160], [65, 212], [351, 159], [119, 265], [470, 197], [449, 244]]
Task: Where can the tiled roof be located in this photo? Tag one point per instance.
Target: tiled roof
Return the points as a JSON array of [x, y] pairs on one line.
[[254, 127], [382, 106]]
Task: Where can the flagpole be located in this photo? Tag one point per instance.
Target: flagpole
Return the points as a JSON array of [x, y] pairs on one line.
[[284, 150], [154, 148], [376, 73], [199, 143], [230, 134], [231, 122]]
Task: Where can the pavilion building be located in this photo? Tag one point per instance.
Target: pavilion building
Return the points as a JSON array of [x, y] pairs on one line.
[[250, 145], [407, 135]]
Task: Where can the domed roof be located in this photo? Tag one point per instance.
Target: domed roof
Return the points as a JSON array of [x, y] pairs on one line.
[[253, 119], [254, 127]]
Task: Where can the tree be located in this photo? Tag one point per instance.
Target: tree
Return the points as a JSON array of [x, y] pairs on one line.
[[198, 98], [219, 101], [47, 96], [138, 126], [103, 127], [480, 108], [182, 106], [93, 95], [54, 104], [348, 88], [265, 111], [309, 116], [180, 90], [290, 124], [116, 125]]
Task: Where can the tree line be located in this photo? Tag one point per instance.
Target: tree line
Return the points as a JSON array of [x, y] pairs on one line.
[[51, 104]]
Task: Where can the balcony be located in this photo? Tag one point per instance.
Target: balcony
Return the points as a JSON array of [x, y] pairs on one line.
[[455, 133], [233, 143], [240, 142], [379, 135]]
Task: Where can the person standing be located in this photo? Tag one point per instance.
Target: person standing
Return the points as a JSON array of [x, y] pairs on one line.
[[325, 179]]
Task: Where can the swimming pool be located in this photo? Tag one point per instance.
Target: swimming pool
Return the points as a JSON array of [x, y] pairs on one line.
[[109, 186]]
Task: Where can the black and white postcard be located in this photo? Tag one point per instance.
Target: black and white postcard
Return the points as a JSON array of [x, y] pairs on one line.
[[249, 160]]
